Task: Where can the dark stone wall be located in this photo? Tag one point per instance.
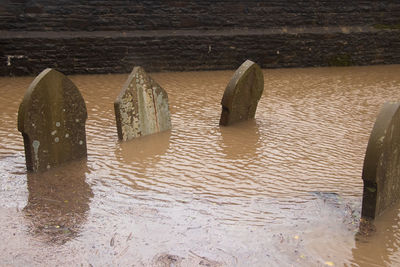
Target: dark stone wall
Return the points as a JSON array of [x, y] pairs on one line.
[[118, 15], [98, 36]]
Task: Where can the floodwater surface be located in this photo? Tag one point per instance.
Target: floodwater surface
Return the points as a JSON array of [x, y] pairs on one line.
[[283, 189]]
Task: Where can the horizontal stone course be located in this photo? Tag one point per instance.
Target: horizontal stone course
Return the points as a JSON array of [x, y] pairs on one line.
[[23, 56], [78, 15], [77, 36]]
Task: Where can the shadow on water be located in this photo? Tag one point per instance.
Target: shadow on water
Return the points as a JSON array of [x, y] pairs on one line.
[[380, 247], [144, 149], [58, 202], [233, 136]]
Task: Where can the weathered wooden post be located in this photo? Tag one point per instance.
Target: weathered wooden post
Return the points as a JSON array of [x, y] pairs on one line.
[[381, 171], [51, 118], [142, 107], [242, 94]]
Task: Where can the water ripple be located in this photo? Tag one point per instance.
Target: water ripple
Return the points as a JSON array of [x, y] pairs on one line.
[[310, 134]]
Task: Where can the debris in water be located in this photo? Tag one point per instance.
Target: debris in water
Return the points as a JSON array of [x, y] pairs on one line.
[[112, 241]]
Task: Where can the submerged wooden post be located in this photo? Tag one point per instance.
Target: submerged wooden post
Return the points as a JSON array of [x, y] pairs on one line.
[[51, 118], [142, 107], [381, 171], [242, 94]]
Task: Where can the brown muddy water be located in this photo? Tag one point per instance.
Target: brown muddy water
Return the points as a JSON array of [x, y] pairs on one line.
[[282, 190]]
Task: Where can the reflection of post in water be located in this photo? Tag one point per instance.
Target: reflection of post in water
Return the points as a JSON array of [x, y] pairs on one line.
[[240, 140], [379, 247], [145, 148], [58, 201]]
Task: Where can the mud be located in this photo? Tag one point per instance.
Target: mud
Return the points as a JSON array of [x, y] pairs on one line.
[[281, 190]]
